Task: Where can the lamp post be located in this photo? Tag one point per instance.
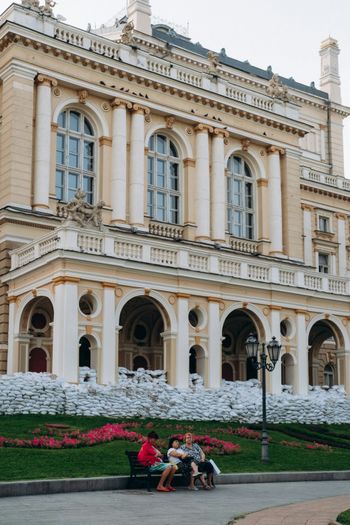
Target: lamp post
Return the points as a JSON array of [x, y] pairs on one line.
[[252, 346]]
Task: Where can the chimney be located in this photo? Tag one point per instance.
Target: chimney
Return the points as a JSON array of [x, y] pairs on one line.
[[139, 12], [330, 79]]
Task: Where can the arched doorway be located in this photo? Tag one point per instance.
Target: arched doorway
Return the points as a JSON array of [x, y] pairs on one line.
[[287, 367], [325, 340], [35, 336], [84, 352], [140, 339], [228, 372], [238, 325], [197, 361], [37, 360], [139, 362]]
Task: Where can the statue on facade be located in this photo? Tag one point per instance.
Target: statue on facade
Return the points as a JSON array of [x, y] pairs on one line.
[[276, 89], [213, 62], [46, 9], [31, 4], [80, 211], [127, 33]]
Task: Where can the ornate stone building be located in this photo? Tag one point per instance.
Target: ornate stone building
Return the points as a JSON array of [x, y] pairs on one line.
[[212, 204]]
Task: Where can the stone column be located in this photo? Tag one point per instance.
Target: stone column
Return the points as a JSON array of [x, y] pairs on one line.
[[182, 342], [214, 343], [65, 351], [275, 200], [342, 254], [137, 166], [12, 352], [301, 376], [307, 219], [218, 187], [263, 218], [343, 369], [108, 358], [275, 376], [42, 144], [202, 194], [119, 140]]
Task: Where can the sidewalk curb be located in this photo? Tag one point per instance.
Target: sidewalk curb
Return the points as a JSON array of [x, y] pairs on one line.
[[56, 486]]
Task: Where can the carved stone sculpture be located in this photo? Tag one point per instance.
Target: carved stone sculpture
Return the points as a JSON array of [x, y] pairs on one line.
[[32, 4], [48, 6], [213, 61], [276, 89], [127, 33], [81, 212]]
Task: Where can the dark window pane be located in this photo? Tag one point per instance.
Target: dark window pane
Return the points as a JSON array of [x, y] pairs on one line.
[[247, 171], [59, 185], [151, 143], [74, 121], [88, 129], [60, 149], [73, 152], [89, 156], [237, 165], [160, 173], [62, 119], [150, 203], [150, 168], [161, 144], [73, 182], [173, 150]]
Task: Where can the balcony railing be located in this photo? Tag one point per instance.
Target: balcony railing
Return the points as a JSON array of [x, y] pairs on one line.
[[323, 178], [143, 249]]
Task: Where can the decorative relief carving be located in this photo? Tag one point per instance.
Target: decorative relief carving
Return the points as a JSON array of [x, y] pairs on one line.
[[219, 132], [105, 106], [81, 212], [127, 36], [189, 131], [141, 109], [57, 92], [83, 95], [270, 150], [203, 128], [169, 122], [118, 102], [46, 81], [276, 89], [245, 144], [46, 9], [213, 62]]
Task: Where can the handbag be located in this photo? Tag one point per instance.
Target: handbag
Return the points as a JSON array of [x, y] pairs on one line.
[[215, 467]]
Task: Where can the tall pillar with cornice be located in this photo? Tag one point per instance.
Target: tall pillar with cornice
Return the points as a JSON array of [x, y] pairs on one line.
[[263, 221], [12, 349], [42, 145], [275, 375], [218, 186], [16, 136], [65, 351], [301, 376], [307, 219], [202, 193], [182, 342], [119, 141], [275, 200], [342, 254], [137, 166], [214, 343], [108, 359]]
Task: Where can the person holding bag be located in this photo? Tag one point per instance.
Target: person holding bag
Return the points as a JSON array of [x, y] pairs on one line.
[[194, 451]]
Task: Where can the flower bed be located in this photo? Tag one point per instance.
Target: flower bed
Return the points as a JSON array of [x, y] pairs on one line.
[[313, 446]]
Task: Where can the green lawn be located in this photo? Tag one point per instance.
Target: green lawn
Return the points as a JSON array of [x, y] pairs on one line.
[[109, 459]]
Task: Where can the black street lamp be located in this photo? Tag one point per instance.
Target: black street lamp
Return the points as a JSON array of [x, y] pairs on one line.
[[252, 346]]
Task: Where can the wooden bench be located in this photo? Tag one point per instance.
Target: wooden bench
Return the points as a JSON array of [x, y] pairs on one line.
[[136, 469]]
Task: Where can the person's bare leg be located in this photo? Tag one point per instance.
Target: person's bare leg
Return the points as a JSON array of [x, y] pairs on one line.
[[194, 468], [163, 477], [211, 480], [170, 476]]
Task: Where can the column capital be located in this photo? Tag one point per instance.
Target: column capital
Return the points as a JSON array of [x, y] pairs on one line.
[[183, 295], [221, 133], [105, 141], [203, 128], [270, 150], [12, 299], [262, 182], [189, 163], [45, 80], [307, 207], [301, 312], [341, 216], [141, 110], [275, 307], [119, 103], [65, 280], [108, 285], [214, 300]]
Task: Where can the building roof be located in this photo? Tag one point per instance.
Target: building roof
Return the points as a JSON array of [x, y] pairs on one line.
[[168, 35]]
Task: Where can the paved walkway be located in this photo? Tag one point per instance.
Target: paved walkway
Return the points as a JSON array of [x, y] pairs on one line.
[[217, 507]]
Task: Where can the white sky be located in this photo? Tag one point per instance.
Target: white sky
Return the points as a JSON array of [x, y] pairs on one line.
[[283, 34]]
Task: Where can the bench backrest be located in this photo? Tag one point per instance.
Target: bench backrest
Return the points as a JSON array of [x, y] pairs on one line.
[[135, 466]]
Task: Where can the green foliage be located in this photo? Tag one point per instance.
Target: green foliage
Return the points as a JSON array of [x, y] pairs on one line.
[[344, 518], [109, 459]]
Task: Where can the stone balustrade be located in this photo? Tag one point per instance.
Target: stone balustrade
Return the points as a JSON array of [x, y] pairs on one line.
[[143, 249], [341, 183]]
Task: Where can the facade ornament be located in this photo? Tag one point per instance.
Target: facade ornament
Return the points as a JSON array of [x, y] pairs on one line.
[[276, 89], [79, 211], [169, 122], [213, 62], [127, 36], [83, 95], [46, 9], [245, 144]]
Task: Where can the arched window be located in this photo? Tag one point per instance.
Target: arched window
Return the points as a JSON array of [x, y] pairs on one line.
[[163, 191], [240, 199], [75, 156], [328, 376]]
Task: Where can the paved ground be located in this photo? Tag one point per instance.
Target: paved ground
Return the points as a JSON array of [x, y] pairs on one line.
[[183, 507]]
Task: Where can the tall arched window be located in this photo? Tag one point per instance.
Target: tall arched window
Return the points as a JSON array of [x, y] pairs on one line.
[[240, 199], [75, 156], [328, 375], [163, 191]]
